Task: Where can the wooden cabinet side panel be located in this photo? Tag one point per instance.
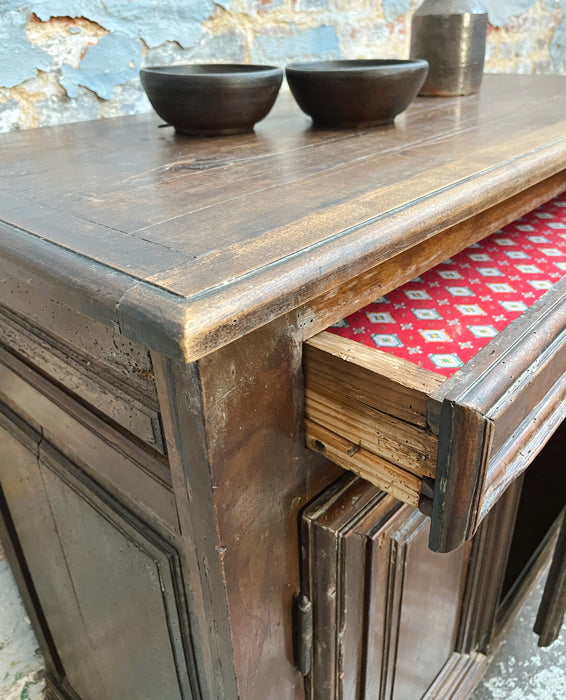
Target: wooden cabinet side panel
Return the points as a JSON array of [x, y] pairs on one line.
[[103, 582], [262, 476]]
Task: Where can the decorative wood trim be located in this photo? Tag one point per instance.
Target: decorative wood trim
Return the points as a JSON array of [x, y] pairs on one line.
[[18, 566], [550, 616], [55, 690], [124, 469], [179, 391], [486, 572], [91, 384], [459, 677], [487, 408], [160, 552]]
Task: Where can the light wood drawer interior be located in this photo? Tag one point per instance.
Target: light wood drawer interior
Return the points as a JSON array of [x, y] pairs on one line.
[[367, 411], [450, 445]]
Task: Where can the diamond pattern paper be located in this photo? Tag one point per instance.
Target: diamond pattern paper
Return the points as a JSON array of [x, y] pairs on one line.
[[443, 318]]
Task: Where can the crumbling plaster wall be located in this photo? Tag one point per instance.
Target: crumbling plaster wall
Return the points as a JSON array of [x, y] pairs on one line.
[[72, 60]]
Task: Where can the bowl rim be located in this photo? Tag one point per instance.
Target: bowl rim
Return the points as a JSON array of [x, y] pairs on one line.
[[213, 71], [358, 65]]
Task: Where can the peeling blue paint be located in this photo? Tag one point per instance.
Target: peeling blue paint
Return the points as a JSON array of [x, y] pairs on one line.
[[19, 60], [114, 60], [501, 11], [319, 43], [165, 31], [395, 8], [231, 47], [312, 4], [154, 22]]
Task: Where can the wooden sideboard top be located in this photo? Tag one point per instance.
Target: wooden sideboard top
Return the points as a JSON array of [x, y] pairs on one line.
[[187, 244]]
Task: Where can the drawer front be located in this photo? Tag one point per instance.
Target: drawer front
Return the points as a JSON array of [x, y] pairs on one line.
[[496, 415], [123, 468], [450, 446], [95, 365]]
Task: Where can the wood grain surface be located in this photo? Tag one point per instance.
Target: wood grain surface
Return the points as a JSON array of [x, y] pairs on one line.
[[199, 241]]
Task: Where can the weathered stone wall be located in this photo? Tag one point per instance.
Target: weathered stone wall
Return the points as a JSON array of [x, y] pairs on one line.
[[71, 60]]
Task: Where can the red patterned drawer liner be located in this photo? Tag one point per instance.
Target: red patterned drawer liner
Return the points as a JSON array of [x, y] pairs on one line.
[[441, 319]]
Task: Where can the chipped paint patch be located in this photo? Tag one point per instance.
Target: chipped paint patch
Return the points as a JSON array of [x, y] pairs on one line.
[[319, 43], [558, 47], [524, 44], [65, 39], [394, 8], [112, 61], [502, 11], [153, 22], [19, 60]]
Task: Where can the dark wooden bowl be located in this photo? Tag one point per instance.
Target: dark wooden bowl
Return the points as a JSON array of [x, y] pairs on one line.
[[207, 100], [355, 93]]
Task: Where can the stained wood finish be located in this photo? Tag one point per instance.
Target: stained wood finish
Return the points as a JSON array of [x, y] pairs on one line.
[[18, 430], [552, 609], [252, 399], [379, 596], [67, 529], [41, 313], [95, 385], [497, 413], [123, 468], [224, 254], [180, 390], [486, 573], [467, 437], [133, 210], [357, 292]]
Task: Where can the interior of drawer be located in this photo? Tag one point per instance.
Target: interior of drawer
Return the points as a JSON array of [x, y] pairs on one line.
[[369, 379]]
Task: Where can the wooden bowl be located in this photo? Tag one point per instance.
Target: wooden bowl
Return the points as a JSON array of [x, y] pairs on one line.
[[211, 99], [355, 93]]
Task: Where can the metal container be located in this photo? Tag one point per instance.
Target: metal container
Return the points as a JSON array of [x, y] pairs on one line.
[[450, 35]]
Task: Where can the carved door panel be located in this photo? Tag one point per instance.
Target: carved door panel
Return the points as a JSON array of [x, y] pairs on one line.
[[385, 609], [108, 587]]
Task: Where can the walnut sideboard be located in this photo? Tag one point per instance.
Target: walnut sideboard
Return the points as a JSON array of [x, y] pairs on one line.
[[172, 535]]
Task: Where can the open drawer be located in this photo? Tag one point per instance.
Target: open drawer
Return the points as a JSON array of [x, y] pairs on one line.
[[451, 445]]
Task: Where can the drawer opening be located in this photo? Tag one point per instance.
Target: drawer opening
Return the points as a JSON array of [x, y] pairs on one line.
[[442, 319], [377, 382], [540, 504]]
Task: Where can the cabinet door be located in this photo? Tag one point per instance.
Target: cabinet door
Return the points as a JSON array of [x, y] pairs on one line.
[[108, 587], [385, 608]]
